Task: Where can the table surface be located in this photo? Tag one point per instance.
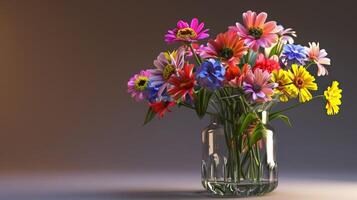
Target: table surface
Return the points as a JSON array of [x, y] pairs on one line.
[[108, 186]]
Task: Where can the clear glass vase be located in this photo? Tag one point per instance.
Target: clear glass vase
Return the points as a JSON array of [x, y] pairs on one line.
[[232, 166]]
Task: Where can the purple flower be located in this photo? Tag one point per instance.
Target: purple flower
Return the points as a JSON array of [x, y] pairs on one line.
[[257, 86], [167, 64], [210, 74], [138, 85], [187, 33]]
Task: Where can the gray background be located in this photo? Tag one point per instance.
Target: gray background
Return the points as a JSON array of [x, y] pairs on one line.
[[65, 65]]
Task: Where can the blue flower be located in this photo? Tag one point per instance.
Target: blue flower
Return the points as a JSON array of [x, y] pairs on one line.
[[210, 74], [294, 53], [153, 94]]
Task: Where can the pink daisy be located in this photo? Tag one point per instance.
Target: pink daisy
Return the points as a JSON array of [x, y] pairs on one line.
[[255, 32], [318, 57], [187, 33], [138, 84]]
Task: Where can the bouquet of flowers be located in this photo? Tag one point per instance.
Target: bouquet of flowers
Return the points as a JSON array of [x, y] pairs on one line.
[[234, 77]]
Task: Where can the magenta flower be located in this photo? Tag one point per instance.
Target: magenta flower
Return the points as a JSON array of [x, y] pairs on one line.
[[187, 33], [138, 85], [258, 87], [255, 32]]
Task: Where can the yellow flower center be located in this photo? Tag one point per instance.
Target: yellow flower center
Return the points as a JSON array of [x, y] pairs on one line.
[[141, 83], [168, 71], [299, 82], [186, 33]]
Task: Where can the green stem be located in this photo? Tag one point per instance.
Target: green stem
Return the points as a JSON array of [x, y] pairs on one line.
[[197, 58], [296, 105], [308, 65]]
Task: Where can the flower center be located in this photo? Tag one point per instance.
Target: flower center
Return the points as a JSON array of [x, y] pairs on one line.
[[141, 83], [257, 88], [168, 71], [256, 32], [226, 53], [186, 33], [299, 82]]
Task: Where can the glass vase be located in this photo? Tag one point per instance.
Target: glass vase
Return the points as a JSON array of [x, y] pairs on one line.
[[234, 166]]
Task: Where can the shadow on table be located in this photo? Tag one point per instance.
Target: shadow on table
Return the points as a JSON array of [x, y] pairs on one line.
[[141, 194]]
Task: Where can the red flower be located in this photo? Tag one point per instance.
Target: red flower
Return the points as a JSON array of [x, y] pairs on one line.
[[232, 71], [238, 79], [182, 83], [266, 64], [161, 107]]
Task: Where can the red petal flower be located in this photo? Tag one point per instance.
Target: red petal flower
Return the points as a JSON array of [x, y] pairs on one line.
[[182, 83], [266, 64], [161, 107], [232, 71]]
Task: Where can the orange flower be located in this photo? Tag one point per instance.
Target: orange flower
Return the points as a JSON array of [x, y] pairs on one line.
[[228, 47]]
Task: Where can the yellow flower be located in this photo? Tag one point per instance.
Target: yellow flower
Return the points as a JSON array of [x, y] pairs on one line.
[[303, 81], [283, 89], [333, 97]]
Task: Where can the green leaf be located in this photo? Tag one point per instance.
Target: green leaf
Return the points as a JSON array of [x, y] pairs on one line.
[[149, 115], [257, 134], [202, 98], [282, 117], [274, 50], [244, 123], [252, 58]]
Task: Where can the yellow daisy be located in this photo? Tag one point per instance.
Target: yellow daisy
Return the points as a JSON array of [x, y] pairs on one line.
[[303, 81], [333, 97], [284, 90]]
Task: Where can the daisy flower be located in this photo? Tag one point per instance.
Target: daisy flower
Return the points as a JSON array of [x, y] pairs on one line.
[[167, 64], [182, 83], [266, 64], [333, 97], [228, 47], [187, 33], [318, 57], [138, 85], [286, 36], [281, 78], [257, 85], [162, 107], [255, 31], [303, 81]]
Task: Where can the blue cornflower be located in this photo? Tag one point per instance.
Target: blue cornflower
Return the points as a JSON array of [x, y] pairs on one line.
[[153, 94], [294, 53], [210, 74]]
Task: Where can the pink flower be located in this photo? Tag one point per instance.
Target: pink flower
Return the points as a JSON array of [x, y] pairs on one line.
[[187, 33], [318, 57], [286, 35], [257, 85], [255, 32], [138, 85]]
